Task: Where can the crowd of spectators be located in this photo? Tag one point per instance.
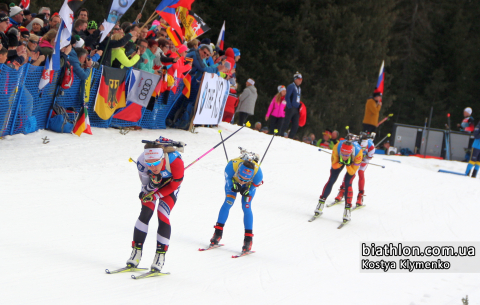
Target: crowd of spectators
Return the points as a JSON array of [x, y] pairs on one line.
[[27, 37]]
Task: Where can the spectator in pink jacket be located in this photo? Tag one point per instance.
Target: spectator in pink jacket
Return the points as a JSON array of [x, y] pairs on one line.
[[276, 110]]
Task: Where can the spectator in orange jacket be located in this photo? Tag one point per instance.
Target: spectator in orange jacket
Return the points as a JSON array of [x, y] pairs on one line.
[[372, 111]]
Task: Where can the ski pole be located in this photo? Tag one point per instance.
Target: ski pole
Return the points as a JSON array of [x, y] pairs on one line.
[[382, 166], [274, 133], [221, 137], [388, 135], [210, 150]]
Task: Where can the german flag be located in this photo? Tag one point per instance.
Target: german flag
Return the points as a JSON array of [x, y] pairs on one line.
[[187, 80], [111, 92], [83, 123], [174, 36]]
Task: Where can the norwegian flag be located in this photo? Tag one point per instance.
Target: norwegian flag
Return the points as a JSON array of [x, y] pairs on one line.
[[47, 74]]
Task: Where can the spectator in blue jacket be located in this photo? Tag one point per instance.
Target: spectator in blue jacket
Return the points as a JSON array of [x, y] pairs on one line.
[[293, 104], [199, 65], [80, 63]]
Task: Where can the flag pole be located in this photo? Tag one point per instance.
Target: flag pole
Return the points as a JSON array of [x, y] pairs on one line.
[[143, 6], [150, 19]]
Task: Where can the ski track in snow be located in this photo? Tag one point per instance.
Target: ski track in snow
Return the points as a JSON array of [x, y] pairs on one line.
[[69, 208]]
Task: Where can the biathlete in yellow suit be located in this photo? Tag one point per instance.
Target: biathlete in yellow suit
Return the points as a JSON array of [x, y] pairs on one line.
[[347, 154], [242, 175]]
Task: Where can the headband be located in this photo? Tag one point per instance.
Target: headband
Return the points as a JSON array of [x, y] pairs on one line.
[[251, 81], [153, 153]]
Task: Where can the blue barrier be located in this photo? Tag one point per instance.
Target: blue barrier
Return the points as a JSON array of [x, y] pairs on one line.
[[24, 107]]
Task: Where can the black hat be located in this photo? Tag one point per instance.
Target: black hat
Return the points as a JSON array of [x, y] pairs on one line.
[[206, 41], [12, 40], [375, 94], [73, 40], [26, 12], [3, 17]]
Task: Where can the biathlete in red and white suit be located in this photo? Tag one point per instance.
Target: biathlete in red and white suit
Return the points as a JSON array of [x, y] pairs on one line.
[[368, 149], [160, 169]]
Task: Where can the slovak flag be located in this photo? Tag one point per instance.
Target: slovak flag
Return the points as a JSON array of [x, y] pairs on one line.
[[381, 77], [47, 74], [221, 37], [174, 4]]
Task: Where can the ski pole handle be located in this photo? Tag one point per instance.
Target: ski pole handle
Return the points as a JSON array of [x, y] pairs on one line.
[[274, 133], [388, 135], [324, 151]]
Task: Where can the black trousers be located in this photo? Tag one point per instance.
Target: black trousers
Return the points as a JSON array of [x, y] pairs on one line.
[[275, 123], [369, 128], [242, 118], [327, 189], [292, 115]]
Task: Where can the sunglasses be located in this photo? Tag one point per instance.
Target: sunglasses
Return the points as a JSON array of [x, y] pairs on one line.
[[33, 41], [206, 53], [154, 163], [116, 29]]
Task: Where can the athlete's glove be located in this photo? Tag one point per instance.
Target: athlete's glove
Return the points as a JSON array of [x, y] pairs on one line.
[[245, 190], [236, 187]]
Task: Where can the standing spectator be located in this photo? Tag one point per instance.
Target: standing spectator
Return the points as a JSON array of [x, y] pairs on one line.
[[119, 59], [326, 141], [3, 55], [36, 25], [372, 111], [47, 42], [192, 45], [27, 18], [199, 66], [3, 28], [45, 11], [232, 103], [147, 50], [292, 107], [83, 14], [4, 9], [108, 44], [79, 28], [247, 99], [237, 54], [277, 110], [467, 124], [16, 16]]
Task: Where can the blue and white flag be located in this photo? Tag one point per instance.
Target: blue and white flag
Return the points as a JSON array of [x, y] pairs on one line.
[[117, 10]]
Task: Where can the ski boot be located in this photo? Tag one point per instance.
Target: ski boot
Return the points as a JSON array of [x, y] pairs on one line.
[[320, 206], [159, 258], [247, 242], [340, 194], [474, 173], [360, 199], [217, 236], [136, 255], [347, 216]]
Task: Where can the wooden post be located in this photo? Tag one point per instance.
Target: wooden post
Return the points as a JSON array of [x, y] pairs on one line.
[[196, 104]]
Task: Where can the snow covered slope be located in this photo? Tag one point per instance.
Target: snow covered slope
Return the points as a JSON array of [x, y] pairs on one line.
[[68, 209]]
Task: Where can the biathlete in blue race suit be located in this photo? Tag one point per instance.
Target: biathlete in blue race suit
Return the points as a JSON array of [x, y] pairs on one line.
[[244, 177]]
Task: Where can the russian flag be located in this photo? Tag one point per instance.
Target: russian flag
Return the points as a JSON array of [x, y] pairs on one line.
[[174, 4], [171, 18], [381, 77], [221, 37]]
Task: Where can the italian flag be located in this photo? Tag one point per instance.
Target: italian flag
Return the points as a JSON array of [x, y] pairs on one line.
[[83, 123]]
